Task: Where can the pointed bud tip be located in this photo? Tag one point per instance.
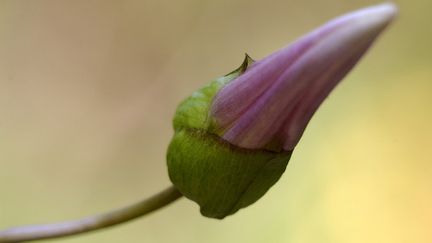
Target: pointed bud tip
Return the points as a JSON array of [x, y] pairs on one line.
[[379, 15], [388, 9]]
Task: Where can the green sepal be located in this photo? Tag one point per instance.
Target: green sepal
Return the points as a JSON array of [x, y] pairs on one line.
[[219, 176], [193, 112]]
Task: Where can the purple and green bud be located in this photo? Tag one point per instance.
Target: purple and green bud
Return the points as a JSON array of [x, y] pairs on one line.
[[234, 137]]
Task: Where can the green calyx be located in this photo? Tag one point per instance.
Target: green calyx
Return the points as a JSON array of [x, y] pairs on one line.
[[220, 177]]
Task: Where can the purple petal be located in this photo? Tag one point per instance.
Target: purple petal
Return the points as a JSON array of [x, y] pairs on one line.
[[275, 99]]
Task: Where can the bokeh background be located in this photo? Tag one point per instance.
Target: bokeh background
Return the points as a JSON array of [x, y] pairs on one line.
[[88, 89]]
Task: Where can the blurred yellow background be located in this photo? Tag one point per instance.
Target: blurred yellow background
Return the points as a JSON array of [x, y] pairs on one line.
[[88, 89]]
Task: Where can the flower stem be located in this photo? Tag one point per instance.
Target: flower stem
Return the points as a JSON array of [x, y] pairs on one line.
[[91, 223]]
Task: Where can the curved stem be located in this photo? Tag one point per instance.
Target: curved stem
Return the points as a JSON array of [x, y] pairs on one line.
[[91, 223]]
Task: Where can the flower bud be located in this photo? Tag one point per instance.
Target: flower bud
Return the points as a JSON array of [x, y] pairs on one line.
[[234, 137]]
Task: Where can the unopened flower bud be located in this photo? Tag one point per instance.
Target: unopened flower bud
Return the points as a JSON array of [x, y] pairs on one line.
[[234, 137]]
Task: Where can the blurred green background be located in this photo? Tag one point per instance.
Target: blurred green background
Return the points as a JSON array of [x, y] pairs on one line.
[[88, 89]]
